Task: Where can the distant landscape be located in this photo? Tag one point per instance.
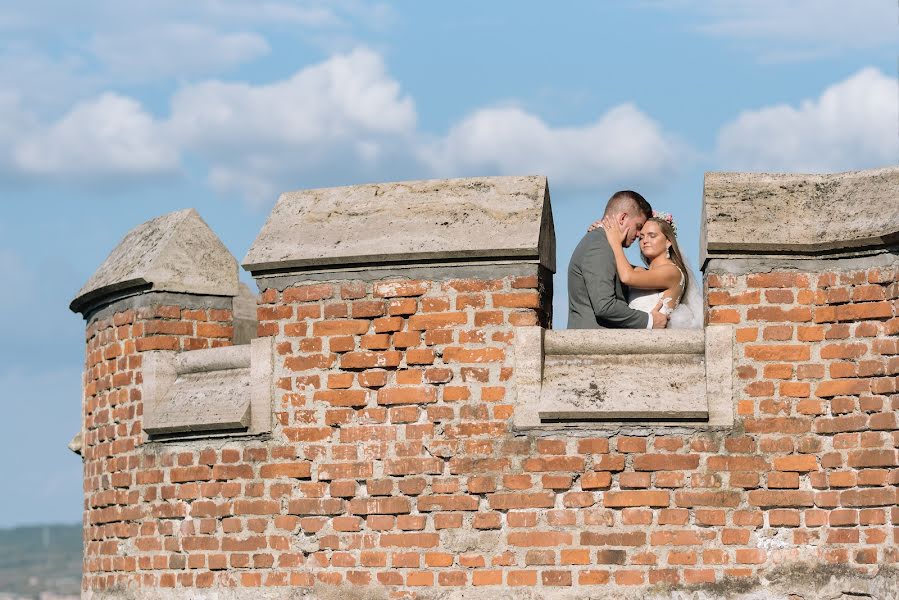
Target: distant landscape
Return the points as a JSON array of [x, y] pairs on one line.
[[40, 562]]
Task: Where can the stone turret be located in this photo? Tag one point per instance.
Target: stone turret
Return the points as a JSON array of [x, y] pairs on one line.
[[167, 286]]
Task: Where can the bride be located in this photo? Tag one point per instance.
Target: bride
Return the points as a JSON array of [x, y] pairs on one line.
[[666, 278]]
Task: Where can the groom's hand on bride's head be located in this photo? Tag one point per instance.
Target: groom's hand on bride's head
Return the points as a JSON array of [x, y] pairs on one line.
[[659, 319], [614, 233]]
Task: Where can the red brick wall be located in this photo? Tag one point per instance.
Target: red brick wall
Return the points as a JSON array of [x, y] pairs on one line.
[[116, 468], [817, 365], [392, 461]]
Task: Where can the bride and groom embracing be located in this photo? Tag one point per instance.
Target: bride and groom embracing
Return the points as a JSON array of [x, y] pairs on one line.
[[606, 291]]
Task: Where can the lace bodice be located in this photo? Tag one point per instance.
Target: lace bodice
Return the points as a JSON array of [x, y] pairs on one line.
[[646, 300]]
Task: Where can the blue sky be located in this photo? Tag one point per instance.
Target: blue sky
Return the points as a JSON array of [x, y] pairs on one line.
[[113, 113]]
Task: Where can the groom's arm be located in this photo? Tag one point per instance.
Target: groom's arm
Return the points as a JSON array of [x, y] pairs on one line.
[[598, 269]]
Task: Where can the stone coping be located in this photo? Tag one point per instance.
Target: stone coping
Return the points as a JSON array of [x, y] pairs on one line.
[[624, 341], [139, 297], [176, 252], [412, 222], [209, 393], [595, 378], [212, 359], [783, 214]]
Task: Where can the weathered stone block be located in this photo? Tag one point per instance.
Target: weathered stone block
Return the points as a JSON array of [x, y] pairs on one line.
[[176, 252], [423, 221]]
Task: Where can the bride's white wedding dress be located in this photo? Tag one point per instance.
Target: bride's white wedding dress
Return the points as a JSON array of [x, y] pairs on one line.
[[646, 300], [686, 315]]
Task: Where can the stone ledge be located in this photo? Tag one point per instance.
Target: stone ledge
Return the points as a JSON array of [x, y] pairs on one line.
[[886, 257], [623, 341], [589, 377], [212, 392], [141, 298], [815, 214]]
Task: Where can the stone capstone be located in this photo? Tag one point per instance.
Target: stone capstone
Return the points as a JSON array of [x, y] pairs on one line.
[[615, 387], [782, 214], [436, 221], [206, 392], [176, 252], [595, 375]]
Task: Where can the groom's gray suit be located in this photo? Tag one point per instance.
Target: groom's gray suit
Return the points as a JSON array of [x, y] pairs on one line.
[[596, 297]]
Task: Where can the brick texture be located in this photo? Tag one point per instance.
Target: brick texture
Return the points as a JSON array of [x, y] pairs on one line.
[[129, 492], [392, 440]]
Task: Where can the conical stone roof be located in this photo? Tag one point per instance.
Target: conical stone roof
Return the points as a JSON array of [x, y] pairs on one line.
[[176, 252]]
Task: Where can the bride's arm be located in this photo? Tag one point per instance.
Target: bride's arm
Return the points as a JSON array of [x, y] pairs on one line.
[[665, 277], [657, 279]]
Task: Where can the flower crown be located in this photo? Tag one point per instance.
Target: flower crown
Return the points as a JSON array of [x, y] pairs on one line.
[[667, 217]]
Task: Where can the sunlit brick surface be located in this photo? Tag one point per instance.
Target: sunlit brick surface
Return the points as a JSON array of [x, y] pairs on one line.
[[393, 462]]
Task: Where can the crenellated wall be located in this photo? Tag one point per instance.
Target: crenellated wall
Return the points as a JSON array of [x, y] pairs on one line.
[[410, 450]]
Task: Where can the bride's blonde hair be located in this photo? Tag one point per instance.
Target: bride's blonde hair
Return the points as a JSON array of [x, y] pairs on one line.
[[676, 257]]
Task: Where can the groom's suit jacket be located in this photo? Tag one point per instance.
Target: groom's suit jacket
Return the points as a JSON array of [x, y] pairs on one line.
[[596, 297]]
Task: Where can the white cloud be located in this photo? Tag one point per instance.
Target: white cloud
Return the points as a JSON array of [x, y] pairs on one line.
[[14, 123], [343, 120], [853, 124], [103, 44], [339, 99], [624, 143], [347, 116], [795, 30], [108, 136], [175, 49], [344, 113], [43, 83], [147, 39]]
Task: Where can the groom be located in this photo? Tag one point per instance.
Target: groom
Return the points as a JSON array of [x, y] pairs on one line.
[[596, 297]]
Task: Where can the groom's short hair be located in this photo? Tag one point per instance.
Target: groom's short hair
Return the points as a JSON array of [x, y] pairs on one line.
[[627, 201]]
